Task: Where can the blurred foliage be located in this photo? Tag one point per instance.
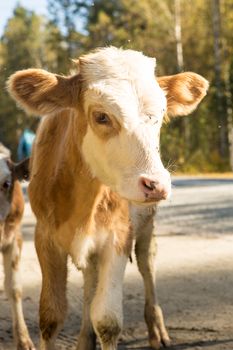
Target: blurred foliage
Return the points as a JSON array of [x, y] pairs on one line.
[[28, 41], [75, 26]]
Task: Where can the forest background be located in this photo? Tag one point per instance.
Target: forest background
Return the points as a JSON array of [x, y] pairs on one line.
[[183, 35]]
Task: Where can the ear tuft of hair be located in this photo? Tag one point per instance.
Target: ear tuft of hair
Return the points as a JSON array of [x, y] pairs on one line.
[[25, 86], [184, 91], [39, 92]]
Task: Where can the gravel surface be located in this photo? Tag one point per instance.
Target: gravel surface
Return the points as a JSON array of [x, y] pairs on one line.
[[195, 275]]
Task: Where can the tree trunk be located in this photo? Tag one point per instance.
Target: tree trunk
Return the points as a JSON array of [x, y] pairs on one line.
[[179, 46], [219, 82], [229, 88], [180, 65]]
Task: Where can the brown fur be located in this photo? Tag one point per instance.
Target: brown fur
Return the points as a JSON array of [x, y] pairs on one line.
[[11, 246], [113, 126], [13, 220], [43, 91], [57, 146], [113, 213], [184, 91], [17, 207], [69, 202], [64, 195]]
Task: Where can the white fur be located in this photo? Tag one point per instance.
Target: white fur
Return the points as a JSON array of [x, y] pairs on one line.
[[106, 308], [123, 85], [5, 173], [13, 290], [83, 245]]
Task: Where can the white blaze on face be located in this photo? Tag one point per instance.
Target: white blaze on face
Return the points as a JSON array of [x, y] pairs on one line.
[[124, 87], [5, 175]]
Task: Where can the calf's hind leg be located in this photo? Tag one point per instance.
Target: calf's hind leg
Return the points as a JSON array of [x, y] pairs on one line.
[[13, 288], [53, 304], [145, 250]]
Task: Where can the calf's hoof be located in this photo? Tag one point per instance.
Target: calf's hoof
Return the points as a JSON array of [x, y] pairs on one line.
[[157, 341], [86, 341], [25, 344], [158, 335]]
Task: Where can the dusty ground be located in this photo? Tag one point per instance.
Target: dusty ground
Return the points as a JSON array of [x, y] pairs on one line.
[[195, 275]]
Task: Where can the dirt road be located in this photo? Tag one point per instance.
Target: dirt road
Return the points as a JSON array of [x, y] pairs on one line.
[[195, 275]]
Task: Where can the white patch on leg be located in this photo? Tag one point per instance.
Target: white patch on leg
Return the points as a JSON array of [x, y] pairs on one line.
[[106, 308], [14, 293], [83, 245], [81, 248]]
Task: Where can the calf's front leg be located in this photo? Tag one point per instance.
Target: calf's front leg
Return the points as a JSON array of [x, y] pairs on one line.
[[87, 336], [53, 303], [13, 289], [106, 308], [145, 250]]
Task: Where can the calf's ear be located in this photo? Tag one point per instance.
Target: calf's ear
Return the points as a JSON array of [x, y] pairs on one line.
[[20, 170], [184, 91], [40, 92]]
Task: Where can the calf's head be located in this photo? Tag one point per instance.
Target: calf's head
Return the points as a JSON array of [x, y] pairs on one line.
[[9, 173], [123, 106]]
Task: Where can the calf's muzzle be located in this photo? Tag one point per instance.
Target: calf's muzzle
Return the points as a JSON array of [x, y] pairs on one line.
[[154, 189]]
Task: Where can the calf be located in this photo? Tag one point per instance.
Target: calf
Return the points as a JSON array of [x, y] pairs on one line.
[[96, 150], [11, 213]]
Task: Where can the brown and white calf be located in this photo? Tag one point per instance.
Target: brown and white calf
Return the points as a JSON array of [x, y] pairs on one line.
[[11, 213], [96, 150]]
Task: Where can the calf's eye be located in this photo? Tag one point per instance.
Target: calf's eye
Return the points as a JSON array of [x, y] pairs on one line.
[[101, 118], [6, 185]]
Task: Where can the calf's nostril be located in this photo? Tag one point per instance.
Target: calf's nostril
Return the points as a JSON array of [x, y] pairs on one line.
[[153, 189], [148, 184], [153, 185]]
